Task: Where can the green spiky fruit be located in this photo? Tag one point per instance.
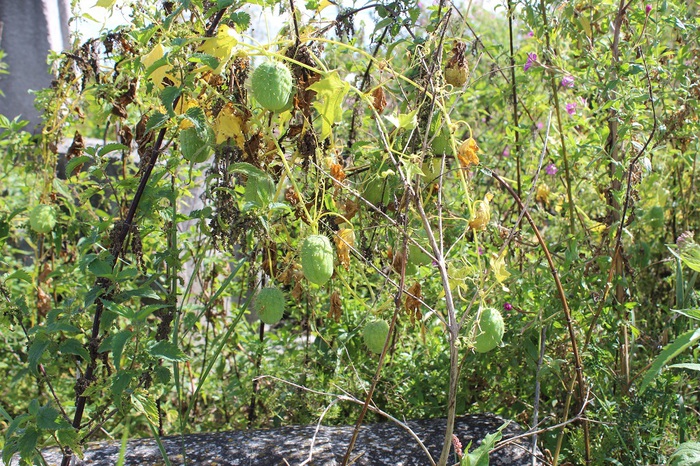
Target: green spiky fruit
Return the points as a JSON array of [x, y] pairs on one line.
[[317, 259], [269, 305], [271, 84], [42, 218], [489, 331], [375, 334]]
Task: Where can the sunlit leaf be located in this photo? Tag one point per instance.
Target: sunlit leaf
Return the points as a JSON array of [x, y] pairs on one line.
[[330, 93]]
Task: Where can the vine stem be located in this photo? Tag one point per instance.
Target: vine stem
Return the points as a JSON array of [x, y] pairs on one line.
[[117, 249], [567, 313]]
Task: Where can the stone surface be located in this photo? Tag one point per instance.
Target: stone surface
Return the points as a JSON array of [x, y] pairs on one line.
[[377, 445]]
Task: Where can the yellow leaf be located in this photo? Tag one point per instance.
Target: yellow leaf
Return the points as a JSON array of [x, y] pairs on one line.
[[182, 106], [229, 124], [151, 58], [482, 213], [466, 153], [542, 194], [108, 4], [221, 46], [322, 5], [499, 267], [344, 240]]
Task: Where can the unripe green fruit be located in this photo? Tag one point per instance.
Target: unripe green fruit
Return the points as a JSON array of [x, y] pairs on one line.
[[194, 147], [489, 331], [269, 305], [271, 84], [317, 259], [375, 334], [42, 218]]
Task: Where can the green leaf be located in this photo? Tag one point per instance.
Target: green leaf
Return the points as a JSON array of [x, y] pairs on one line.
[[480, 455], [27, 442], [691, 366], [691, 313], [246, 169], [687, 454], [118, 342], [36, 351], [101, 268], [204, 58], [145, 406], [330, 93], [669, 352], [75, 162], [107, 148], [48, 418], [241, 20], [168, 96], [73, 346], [121, 382], [156, 120], [168, 351]]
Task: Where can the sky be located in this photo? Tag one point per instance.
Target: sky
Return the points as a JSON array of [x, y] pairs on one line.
[[105, 19]]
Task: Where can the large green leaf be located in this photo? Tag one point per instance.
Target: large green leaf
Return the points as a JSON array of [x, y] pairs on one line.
[[330, 93], [669, 352]]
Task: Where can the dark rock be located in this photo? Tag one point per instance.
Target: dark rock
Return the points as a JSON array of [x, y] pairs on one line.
[[377, 445]]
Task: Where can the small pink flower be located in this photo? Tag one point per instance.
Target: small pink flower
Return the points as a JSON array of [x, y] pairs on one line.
[[481, 251], [457, 446], [506, 152], [648, 8], [539, 125], [551, 169], [508, 306], [531, 34], [684, 239], [567, 81], [571, 108], [531, 59]]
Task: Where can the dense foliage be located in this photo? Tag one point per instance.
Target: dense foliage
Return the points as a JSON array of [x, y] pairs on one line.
[[419, 167]]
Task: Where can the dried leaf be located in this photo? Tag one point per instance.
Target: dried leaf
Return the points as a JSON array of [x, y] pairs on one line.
[[482, 214], [466, 153], [336, 311], [379, 102], [413, 303]]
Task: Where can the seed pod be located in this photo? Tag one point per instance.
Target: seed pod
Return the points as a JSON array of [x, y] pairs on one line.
[[317, 259]]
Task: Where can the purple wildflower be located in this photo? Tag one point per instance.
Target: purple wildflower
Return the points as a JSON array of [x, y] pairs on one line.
[[684, 239], [531, 34], [506, 152], [539, 125], [571, 108], [531, 59], [508, 306], [551, 169], [567, 81], [480, 251], [648, 8]]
